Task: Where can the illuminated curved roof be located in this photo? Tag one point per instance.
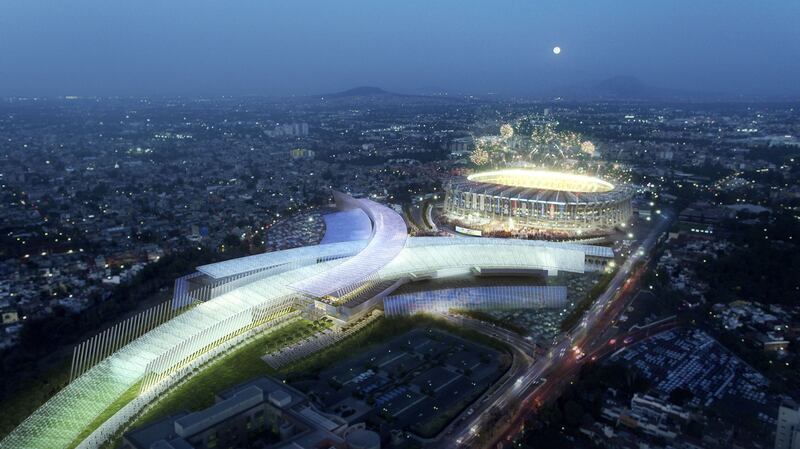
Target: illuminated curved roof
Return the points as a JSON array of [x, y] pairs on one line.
[[589, 250], [346, 226], [431, 254], [540, 187], [543, 180], [388, 238], [388, 255], [257, 262], [61, 419]]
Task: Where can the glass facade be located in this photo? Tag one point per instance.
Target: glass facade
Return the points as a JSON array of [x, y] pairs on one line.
[[476, 298], [239, 297]]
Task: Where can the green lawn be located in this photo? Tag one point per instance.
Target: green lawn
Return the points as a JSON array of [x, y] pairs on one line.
[[126, 397], [378, 331], [244, 363], [238, 366], [375, 334]]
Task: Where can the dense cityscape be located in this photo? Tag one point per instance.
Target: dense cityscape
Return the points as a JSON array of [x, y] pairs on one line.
[[364, 226], [107, 201]]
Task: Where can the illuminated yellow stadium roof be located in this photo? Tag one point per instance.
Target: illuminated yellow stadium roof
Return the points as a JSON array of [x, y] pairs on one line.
[[543, 180]]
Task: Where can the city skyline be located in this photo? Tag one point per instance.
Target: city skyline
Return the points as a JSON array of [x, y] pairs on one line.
[[406, 225]]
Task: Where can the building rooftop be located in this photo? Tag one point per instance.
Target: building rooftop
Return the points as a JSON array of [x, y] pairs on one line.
[[388, 238], [346, 226], [148, 436], [198, 421]]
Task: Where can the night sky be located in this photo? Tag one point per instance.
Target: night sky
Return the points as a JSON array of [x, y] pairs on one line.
[[276, 48]]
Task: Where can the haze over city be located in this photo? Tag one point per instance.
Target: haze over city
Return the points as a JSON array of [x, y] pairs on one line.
[[731, 49], [399, 225]]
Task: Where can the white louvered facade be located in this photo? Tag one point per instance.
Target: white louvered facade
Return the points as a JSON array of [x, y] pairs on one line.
[[166, 353]]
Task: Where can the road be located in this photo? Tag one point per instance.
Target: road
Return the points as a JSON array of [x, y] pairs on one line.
[[562, 361], [420, 214]]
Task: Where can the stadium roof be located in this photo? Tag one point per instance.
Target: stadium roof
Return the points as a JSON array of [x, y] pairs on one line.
[[541, 186], [543, 180]]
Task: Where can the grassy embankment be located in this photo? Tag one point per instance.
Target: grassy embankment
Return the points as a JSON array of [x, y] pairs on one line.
[[245, 362]]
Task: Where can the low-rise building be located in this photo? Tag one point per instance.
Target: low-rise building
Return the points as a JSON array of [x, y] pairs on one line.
[[263, 413], [787, 433]]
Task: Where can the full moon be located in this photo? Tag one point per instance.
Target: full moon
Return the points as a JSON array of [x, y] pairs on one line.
[[556, 50]]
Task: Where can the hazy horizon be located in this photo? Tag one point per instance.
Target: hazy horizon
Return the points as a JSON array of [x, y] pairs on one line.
[[205, 48]]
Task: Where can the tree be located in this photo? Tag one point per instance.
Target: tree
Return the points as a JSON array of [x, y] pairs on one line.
[[573, 412], [231, 241]]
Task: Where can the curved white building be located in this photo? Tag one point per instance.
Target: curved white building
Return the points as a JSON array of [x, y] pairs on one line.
[[235, 299]]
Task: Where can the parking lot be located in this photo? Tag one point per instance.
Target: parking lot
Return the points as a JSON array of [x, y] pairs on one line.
[[417, 381], [692, 359]]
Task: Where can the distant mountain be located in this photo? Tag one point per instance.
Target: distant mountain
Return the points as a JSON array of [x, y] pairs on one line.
[[371, 93], [361, 91]]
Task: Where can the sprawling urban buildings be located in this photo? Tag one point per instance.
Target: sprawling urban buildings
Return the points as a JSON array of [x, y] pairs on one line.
[[106, 202], [519, 199]]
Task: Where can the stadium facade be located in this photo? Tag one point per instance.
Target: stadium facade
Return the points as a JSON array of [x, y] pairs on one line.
[[522, 200], [225, 304]]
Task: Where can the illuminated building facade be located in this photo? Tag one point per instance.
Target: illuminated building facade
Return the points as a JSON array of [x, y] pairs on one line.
[[518, 199], [228, 303]]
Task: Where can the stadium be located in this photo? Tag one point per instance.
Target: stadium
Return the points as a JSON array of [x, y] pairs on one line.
[[542, 202], [353, 277]]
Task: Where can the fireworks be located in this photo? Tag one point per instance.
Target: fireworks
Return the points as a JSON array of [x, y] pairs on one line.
[[587, 147], [551, 146], [545, 146], [543, 135], [479, 156], [569, 140], [506, 131]]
